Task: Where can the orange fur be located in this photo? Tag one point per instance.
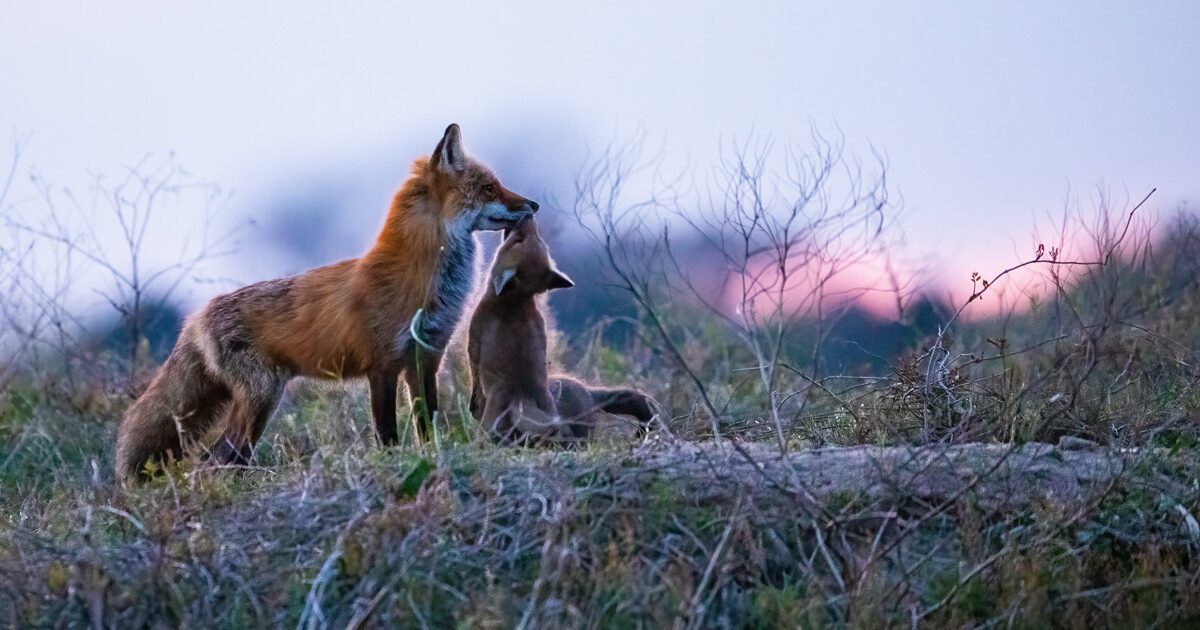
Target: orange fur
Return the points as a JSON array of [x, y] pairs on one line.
[[343, 320]]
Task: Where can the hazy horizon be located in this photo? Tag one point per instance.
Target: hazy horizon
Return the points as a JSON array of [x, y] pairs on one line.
[[991, 116]]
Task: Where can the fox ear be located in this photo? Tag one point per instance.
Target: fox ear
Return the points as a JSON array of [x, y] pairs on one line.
[[449, 156], [559, 280], [502, 280]]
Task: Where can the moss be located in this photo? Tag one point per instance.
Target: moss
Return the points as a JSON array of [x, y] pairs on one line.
[[771, 607]]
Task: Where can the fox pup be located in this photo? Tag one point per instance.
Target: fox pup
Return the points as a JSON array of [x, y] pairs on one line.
[[511, 392], [385, 315]]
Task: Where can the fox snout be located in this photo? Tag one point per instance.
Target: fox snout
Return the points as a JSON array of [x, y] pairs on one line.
[[520, 205], [503, 214], [507, 211]]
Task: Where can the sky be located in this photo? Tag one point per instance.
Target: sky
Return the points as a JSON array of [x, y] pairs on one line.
[[991, 114]]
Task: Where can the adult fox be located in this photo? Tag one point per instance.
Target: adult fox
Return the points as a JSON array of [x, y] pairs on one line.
[[387, 314]]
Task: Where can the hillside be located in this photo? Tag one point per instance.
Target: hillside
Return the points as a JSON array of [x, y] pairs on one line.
[[329, 531]]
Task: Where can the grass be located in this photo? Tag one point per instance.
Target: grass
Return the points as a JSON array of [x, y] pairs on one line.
[[329, 530]]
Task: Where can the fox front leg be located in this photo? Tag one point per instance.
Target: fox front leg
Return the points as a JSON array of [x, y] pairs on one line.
[[384, 383]]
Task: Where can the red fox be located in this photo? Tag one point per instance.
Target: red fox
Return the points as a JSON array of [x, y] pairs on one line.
[[511, 392], [387, 314]]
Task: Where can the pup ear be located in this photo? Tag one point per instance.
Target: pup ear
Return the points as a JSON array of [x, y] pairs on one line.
[[502, 280], [559, 280], [449, 156]]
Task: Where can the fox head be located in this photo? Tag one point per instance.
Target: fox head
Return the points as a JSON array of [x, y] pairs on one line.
[[523, 264], [468, 193]]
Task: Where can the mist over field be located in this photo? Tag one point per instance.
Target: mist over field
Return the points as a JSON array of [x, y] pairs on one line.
[[884, 316]]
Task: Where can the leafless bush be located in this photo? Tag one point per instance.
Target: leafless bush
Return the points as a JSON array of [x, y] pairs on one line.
[[1088, 358], [131, 241], [9, 260], [84, 278], [750, 275], [768, 246]]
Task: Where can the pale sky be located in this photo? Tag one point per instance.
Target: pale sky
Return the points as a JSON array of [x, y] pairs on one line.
[[989, 112]]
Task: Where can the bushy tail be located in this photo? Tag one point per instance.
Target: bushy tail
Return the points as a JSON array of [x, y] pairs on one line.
[[628, 402], [180, 405]]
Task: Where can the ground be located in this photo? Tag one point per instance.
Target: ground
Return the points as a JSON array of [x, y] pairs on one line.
[[661, 532]]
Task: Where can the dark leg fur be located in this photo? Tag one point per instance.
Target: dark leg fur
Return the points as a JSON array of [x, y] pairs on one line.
[[257, 386], [245, 421], [384, 384]]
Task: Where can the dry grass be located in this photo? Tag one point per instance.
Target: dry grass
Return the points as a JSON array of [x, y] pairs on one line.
[[331, 531], [1036, 468]]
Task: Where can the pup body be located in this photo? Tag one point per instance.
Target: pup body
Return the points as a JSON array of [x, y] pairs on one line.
[[579, 406], [511, 392], [352, 318]]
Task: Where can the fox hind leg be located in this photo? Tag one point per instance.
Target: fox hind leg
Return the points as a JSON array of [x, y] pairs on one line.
[[628, 402], [246, 417], [178, 408]]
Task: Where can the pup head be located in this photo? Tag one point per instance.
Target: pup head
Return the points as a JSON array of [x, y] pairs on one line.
[[523, 265], [469, 193]]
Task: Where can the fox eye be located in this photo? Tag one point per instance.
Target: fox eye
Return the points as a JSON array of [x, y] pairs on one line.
[[489, 189]]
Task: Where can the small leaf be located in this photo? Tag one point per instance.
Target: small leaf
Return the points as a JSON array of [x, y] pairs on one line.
[[416, 478]]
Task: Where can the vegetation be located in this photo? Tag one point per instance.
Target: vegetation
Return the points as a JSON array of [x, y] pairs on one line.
[[1035, 467]]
